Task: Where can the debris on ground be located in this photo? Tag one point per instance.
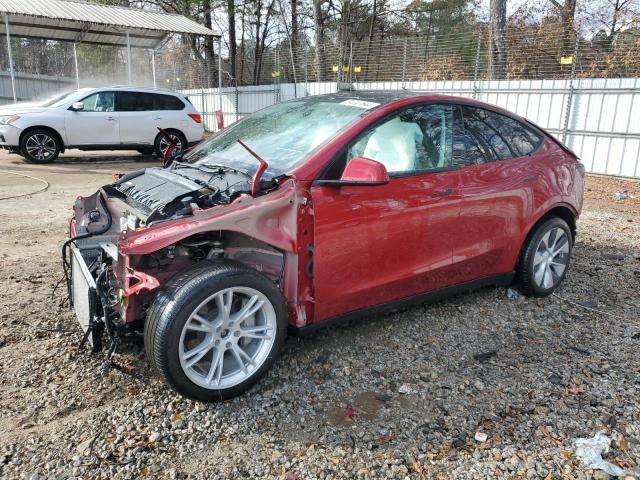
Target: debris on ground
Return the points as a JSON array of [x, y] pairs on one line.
[[481, 437], [619, 196], [485, 356], [512, 293], [590, 451], [408, 389]]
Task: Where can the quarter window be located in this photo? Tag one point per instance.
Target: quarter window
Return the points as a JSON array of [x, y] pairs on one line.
[[167, 102]]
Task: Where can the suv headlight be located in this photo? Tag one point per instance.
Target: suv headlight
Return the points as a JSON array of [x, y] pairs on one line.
[[8, 119]]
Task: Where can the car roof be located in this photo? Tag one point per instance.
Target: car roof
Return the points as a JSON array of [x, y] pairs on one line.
[[133, 88]]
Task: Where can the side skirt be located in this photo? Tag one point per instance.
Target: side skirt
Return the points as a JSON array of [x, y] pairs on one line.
[[502, 279]]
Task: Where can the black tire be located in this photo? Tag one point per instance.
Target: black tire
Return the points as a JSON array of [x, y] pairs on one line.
[[40, 146], [526, 269], [173, 306], [158, 148]]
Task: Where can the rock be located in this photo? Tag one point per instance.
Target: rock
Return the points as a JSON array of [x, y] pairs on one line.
[[480, 437]]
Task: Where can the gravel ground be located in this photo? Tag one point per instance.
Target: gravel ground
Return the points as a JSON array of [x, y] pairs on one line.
[[396, 396]]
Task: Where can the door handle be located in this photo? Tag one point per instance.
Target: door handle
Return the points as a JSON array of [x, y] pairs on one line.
[[158, 118], [444, 193], [110, 119]]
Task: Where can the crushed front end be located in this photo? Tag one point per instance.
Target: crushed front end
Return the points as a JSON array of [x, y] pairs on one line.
[[132, 236]]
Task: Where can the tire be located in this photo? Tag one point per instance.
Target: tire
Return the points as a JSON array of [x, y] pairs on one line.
[[186, 316], [160, 144], [540, 273], [40, 146]]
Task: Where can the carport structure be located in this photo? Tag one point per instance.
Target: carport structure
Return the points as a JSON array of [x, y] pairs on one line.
[[76, 22]]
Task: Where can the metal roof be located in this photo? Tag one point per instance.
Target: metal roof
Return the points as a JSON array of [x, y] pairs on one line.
[[90, 23]]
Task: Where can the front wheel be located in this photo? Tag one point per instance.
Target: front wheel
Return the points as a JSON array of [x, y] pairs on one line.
[[545, 258], [40, 146], [215, 330]]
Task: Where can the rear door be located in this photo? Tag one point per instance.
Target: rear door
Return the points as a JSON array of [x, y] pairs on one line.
[[499, 187], [376, 244], [139, 118], [96, 124]]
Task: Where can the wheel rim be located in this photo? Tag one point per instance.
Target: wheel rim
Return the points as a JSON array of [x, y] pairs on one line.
[[227, 338], [551, 258], [164, 143], [40, 146]]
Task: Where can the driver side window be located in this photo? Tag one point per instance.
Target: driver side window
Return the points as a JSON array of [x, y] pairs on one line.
[[416, 139], [99, 102]]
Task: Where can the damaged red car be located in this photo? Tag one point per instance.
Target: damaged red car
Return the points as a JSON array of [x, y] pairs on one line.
[[313, 210]]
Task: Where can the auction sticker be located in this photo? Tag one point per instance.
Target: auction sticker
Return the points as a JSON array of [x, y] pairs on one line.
[[359, 103]]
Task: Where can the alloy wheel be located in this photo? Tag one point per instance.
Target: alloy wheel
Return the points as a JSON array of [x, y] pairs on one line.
[[40, 146], [227, 338], [165, 142], [551, 258]]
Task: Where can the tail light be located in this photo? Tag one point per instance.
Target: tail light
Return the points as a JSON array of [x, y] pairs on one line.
[[196, 117]]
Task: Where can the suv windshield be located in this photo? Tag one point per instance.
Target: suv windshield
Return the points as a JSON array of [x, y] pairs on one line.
[[62, 98], [283, 134]]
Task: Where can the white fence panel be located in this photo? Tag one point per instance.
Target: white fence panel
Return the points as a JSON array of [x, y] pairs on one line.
[[597, 118]]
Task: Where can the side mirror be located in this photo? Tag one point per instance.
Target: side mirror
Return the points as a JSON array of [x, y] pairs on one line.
[[77, 106], [364, 171]]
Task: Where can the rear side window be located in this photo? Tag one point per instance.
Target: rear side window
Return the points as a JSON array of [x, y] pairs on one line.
[[466, 147], [134, 102], [502, 136], [145, 102], [167, 102]]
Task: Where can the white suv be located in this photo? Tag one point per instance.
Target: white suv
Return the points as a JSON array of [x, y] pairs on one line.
[[114, 118]]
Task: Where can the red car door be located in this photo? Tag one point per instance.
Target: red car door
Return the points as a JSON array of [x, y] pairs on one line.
[[499, 188], [376, 244]]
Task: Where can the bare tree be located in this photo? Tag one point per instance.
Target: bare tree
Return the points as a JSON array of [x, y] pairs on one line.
[[567, 13], [497, 39], [319, 27], [231, 17]]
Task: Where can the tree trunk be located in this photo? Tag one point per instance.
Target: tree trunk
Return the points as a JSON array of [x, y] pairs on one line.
[[209, 52], [295, 33], [370, 37], [318, 22], [497, 39], [231, 8], [256, 54]]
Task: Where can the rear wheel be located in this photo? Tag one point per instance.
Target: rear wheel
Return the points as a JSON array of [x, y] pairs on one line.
[[545, 258], [215, 330], [40, 146], [162, 142]]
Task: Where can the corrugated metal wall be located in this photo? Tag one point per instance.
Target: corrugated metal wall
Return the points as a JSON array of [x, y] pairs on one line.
[[597, 118]]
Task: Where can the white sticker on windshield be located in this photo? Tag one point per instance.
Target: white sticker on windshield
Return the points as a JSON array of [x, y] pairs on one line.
[[359, 103]]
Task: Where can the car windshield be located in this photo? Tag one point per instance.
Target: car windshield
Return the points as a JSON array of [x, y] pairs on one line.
[[283, 134], [60, 99]]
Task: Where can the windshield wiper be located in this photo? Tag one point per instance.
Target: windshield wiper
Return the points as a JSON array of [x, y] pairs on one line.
[[209, 167], [255, 182]]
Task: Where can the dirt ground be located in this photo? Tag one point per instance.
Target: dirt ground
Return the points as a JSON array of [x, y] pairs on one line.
[[396, 396]]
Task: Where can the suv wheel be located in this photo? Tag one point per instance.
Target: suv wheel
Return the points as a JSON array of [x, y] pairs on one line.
[[544, 260], [215, 330], [162, 142], [40, 146]]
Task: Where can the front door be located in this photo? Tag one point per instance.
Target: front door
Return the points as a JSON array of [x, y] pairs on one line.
[[376, 244], [96, 124]]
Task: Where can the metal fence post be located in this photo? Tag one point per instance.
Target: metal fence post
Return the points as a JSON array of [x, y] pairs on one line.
[[476, 68], [75, 63], [569, 106], [11, 70], [404, 61]]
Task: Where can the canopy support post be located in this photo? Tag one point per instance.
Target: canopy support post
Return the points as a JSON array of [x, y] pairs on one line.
[[11, 72], [153, 67], [129, 73], [75, 62]]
